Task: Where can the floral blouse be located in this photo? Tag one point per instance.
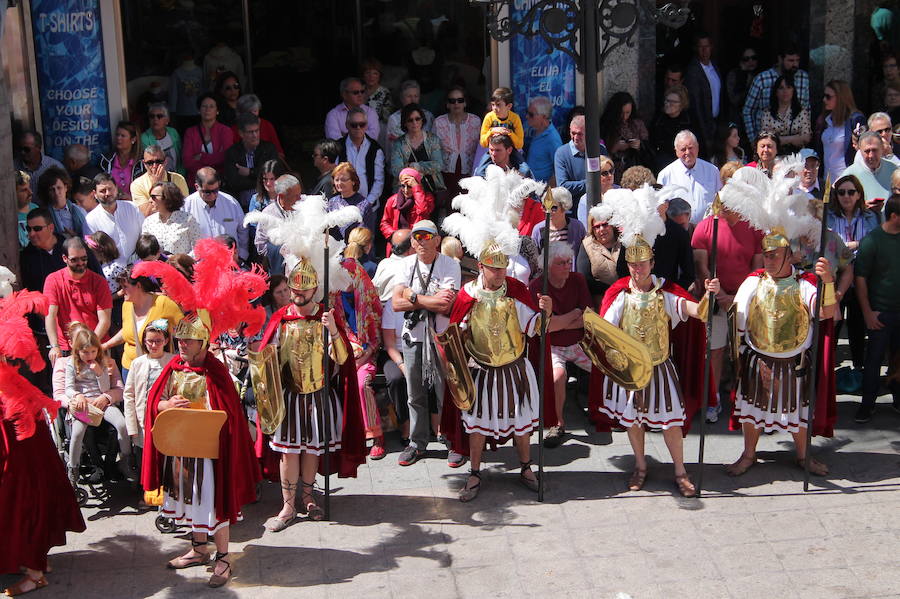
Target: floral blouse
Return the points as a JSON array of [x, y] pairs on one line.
[[382, 103], [458, 141], [175, 236], [786, 125]]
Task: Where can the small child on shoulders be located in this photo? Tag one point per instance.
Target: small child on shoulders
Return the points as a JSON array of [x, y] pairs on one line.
[[501, 119]]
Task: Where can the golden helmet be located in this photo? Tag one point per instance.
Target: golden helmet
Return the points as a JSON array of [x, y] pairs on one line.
[[492, 256], [639, 251], [303, 276], [195, 325], [775, 239]]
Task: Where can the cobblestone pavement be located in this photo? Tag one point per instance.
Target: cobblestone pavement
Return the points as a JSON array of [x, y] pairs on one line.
[[401, 532]]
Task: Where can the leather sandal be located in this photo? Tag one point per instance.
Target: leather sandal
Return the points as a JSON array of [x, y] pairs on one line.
[[815, 466], [468, 493], [182, 562], [637, 479], [218, 580], [741, 466], [313, 511], [531, 484], [18, 588], [685, 486]]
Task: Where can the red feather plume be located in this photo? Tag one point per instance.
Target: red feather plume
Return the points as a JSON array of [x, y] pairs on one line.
[[22, 402], [174, 284], [16, 338]]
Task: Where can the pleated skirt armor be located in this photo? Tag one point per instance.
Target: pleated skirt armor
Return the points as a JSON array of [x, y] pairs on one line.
[[770, 393], [189, 497], [302, 430], [660, 404], [506, 400]]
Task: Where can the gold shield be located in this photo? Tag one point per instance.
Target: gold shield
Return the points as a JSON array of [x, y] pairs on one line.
[[188, 433], [266, 378], [454, 365], [621, 357]]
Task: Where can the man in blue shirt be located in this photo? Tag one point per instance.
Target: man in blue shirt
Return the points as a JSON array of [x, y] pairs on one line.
[[542, 145], [569, 162]]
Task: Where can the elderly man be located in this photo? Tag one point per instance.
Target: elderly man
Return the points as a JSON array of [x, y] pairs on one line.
[[809, 176], [699, 177], [353, 96], [77, 158], [160, 133], [75, 293], [119, 219], [155, 172], [570, 296], [31, 159], [540, 148], [244, 159], [287, 193], [410, 93], [366, 156], [569, 163], [326, 154], [424, 294], [760, 90], [706, 88], [880, 123], [216, 212], [874, 173], [877, 271]]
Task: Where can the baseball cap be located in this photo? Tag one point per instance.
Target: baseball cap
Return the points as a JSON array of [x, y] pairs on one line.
[[425, 225], [809, 153]]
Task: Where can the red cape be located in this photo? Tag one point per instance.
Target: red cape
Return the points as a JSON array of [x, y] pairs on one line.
[[825, 416], [688, 353], [236, 469], [346, 460], [532, 214], [451, 418]]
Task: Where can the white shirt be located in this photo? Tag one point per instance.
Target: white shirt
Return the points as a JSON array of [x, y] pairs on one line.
[[702, 182], [225, 217], [833, 148], [124, 226], [715, 86], [357, 157], [390, 320], [445, 275], [386, 276]]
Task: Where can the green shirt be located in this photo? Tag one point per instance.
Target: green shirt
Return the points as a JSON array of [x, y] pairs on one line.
[[878, 261]]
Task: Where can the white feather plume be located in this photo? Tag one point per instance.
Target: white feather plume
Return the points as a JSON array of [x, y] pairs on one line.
[[635, 213], [601, 212], [7, 280], [302, 235]]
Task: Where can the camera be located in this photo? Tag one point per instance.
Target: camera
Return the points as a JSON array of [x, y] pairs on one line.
[[413, 317]]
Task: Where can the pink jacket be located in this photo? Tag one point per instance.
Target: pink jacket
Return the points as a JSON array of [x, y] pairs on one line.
[[222, 139], [423, 204]]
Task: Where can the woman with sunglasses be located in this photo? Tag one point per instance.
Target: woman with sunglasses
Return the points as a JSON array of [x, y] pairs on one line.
[[607, 182], [406, 207], [563, 227], [417, 149], [598, 253], [227, 89], [835, 126], [851, 220], [738, 81], [459, 132], [205, 144], [164, 136]]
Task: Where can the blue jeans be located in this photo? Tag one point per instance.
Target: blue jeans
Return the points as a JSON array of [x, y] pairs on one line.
[[888, 337]]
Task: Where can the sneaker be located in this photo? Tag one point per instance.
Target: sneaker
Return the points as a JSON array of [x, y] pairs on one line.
[[377, 452], [554, 437], [712, 414], [863, 414], [410, 456], [455, 459]]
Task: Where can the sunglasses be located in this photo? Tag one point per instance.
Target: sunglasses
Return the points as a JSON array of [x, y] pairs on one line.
[[529, 114], [357, 125], [36, 229], [356, 92], [456, 100], [423, 236], [882, 131], [846, 192], [414, 119], [154, 162], [606, 173], [554, 208], [208, 192], [157, 116], [748, 58], [230, 88]]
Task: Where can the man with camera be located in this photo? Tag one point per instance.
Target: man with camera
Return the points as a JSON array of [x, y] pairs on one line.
[[425, 293]]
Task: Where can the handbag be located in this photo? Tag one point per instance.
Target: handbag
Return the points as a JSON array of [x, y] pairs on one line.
[[430, 183]]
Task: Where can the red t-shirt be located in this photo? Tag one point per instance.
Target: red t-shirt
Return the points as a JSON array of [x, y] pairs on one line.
[[574, 294], [736, 247], [77, 300]]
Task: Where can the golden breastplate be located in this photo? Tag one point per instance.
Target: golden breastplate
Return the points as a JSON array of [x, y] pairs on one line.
[[644, 318], [301, 349], [777, 320], [191, 386], [495, 336]]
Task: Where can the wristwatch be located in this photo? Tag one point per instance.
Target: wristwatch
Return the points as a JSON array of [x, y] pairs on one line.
[[413, 296]]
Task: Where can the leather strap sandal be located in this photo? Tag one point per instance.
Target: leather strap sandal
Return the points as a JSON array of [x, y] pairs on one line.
[[637, 479], [313, 511], [20, 587], [218, 580], [468, 493], [685, 486], [741, 466], [529, 483], [815, 466], [187, 561]]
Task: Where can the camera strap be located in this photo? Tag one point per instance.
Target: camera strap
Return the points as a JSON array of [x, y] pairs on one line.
[[423, 282]]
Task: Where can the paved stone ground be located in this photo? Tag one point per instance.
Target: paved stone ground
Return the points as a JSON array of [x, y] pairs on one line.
[[401, 532]]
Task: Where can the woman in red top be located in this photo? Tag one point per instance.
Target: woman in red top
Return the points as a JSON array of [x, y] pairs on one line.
[[408, 206], [205, 144]]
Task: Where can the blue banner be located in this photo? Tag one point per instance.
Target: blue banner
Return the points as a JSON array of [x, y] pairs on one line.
[[535, 72], [68, 47]]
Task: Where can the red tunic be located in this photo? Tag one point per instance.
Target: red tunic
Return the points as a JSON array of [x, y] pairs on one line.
[[236, 469], [451, 419]]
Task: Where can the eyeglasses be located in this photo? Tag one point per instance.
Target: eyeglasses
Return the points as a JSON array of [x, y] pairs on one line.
[[846, 192], [154, 162], [423, 236], [554, 208], [414, 119], [36, 229], [356, 92], [156, 197], [77, 259], [209, 192], [153, 341], [157, 116], [357, 125], [606, 173], [748, 58], [456, 100], [230, 88]]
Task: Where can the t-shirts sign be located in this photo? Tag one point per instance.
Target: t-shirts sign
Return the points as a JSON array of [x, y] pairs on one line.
[[71, 74]]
